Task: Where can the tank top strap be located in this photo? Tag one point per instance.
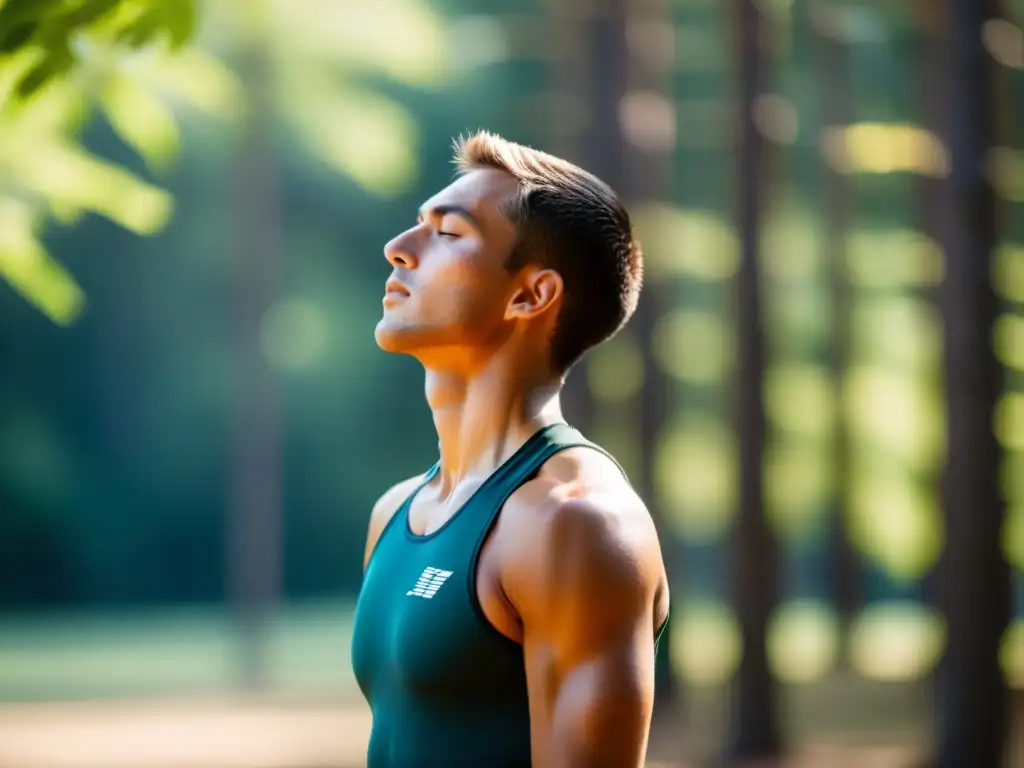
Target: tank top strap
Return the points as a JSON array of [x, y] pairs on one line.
[[527, 461]]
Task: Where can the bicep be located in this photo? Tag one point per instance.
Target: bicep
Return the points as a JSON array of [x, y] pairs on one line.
[[596, 710], [589, 644]]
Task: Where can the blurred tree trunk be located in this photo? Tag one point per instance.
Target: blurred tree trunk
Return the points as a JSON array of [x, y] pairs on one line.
[[631, 60], [754, 562], [974, 585], [570, 61], [836, 101], [255, 496]]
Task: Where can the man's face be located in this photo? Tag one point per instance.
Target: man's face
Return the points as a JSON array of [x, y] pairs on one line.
[[449, 288]]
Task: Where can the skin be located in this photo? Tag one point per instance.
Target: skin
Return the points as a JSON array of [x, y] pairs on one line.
[[572, 569]]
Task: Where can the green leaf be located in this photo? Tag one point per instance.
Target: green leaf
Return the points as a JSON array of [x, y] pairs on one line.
[[89, 12], [141, 120], [58, 61], [180, 20], [16, 12], [30, 270], [17, 37]]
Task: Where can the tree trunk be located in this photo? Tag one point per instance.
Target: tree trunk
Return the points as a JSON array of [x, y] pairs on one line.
[[637, 167], [975, 585], [836, 103], [754, 728], [569, 50], [255, 495]]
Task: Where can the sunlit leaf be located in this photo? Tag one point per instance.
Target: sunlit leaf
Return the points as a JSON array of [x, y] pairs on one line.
[[25, 264], [68, 175], [363, 135], [199, 79], [404, 39], [143, 121]]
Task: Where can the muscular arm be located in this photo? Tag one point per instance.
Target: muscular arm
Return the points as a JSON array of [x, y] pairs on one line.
[[588, 637]]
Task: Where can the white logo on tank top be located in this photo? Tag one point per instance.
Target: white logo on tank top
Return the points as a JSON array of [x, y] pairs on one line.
[[429, 582]]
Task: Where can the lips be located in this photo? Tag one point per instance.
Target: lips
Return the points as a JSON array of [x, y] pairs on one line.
[[395, 288]]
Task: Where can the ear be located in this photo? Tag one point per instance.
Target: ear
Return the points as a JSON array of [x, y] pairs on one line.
[[538, 290]]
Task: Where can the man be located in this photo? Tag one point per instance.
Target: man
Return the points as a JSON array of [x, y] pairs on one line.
[[513, 595]]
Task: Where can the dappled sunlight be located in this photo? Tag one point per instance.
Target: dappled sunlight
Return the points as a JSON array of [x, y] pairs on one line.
[[885, 148], [1008, 339], [686, 243], [1013, 535], [294, 334], [615, 371], [1009, 420], [893, 258], [895, 413], [895, 520], [695, 468], [900, 331], [1011, 476], [793, 246], [798, 485], [800, 399], [694, 346], [1011, 653], [803, 641], [896, 641], [1008, 271], [706, 645], [1006, 172]]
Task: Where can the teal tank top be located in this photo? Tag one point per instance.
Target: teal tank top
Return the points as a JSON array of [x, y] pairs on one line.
[[445, 687]]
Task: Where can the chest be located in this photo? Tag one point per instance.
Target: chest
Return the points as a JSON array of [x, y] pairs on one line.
[[421, 624]]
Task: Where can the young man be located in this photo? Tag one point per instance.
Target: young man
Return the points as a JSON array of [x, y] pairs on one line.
[[513, 594]]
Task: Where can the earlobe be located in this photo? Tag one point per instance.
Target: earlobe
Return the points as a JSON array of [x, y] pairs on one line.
[[541, 289]]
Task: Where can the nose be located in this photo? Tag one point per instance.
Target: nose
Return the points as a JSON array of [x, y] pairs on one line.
[[401, 251]]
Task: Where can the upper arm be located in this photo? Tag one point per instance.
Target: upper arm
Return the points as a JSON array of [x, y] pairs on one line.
[[385, 508], [588, 635]]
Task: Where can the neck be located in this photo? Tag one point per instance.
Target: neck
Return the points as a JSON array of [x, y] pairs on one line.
[[483, 417]]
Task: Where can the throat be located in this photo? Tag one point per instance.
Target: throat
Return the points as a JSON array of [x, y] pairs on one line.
[[482, 421]]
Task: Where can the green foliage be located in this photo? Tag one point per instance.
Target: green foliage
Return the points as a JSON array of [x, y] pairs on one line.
[[53, 30], [60, 62]]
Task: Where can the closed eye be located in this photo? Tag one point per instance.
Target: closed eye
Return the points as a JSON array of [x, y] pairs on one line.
[[447, 234]]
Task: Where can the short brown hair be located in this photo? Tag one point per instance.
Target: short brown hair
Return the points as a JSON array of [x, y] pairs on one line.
[[570, 221]]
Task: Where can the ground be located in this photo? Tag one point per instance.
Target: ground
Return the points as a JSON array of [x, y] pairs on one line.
[[155, 691]]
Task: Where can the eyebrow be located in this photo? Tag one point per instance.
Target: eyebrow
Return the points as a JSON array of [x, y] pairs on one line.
[[457, 210]]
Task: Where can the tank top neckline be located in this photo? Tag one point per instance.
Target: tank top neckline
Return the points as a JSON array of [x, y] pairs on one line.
[[493, 479]]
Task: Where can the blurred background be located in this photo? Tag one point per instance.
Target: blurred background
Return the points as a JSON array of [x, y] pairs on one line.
[[821, 398]]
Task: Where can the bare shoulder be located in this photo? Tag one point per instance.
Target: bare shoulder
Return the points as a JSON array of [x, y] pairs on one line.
[[580, 527], [385, 508]]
